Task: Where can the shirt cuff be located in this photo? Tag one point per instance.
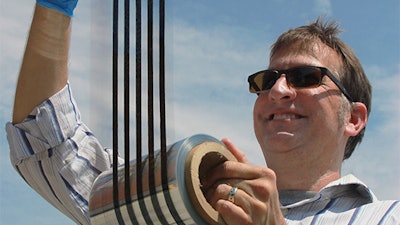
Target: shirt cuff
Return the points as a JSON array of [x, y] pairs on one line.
[[48, 125]]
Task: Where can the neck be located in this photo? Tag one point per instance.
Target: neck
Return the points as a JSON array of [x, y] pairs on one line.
[[306, 175]]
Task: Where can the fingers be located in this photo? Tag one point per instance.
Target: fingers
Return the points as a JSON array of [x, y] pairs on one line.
[[222, 192], [242, 209], [256, 200], [234, 170], [240, 156], [249, 192], [232, 213]]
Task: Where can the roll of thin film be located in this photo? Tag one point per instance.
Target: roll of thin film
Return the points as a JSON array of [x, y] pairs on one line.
[[188, 161]]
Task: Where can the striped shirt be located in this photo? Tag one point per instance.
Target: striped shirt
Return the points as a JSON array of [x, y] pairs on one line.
[[345, 201], [59, 157]]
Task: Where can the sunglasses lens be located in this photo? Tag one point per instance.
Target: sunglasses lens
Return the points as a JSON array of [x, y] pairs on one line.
[[304, 77], [262, 81], [300, 77]]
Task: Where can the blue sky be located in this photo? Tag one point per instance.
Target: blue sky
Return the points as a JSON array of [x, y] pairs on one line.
[[211, 48]]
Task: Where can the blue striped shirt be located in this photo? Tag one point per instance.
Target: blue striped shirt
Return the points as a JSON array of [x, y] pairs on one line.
[[59, 157], [345, 201]]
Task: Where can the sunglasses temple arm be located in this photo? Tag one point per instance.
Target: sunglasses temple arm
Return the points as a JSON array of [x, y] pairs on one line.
[[341, 87]]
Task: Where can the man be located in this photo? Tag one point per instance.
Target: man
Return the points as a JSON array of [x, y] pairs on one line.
[[308, 118], [311, 111]]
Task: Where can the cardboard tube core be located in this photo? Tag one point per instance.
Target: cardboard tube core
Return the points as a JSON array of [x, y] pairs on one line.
[[200, 160]]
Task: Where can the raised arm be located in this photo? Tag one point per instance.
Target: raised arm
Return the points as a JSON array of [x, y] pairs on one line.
[[52, 149], [44, 68]]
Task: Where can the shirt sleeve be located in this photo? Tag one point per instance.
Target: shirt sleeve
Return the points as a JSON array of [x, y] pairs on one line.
[[57, 155]]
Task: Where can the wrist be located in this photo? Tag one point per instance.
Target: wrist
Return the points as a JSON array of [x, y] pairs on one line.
[[64, 6], [50, 33]]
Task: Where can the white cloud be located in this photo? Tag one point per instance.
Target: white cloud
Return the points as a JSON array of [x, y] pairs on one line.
[[323, 7], [206, 84]]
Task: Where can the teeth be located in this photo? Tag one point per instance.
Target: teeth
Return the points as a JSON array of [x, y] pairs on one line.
[[284, 116]]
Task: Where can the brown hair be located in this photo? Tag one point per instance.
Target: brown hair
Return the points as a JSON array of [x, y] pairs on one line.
[[351, 73]]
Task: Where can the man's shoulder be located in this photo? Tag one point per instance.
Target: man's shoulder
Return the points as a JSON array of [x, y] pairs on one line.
[[377, 212], [335, 213], [350, 198]]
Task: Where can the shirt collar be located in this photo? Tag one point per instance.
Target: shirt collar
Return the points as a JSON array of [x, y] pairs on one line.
[[344, 186], [347, 181]]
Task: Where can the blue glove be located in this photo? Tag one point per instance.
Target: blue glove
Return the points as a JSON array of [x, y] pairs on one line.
[[65, 6]]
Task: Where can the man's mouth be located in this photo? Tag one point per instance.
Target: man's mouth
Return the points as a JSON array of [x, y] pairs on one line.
[[284, 116]]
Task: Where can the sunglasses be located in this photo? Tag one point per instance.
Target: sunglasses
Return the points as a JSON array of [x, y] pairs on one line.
[[298, 77]]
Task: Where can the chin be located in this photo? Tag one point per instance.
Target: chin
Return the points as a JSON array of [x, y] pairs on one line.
[[279, 143]]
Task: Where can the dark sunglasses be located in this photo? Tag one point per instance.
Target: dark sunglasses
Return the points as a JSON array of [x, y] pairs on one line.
[[298, 77]]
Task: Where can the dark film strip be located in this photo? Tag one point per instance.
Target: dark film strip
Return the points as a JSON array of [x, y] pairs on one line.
[[151, 163], [115, 112]]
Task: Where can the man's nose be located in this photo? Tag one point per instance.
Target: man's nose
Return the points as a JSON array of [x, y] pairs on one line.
[[281, 90]]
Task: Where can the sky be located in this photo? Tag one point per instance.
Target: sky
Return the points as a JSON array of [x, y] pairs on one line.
[[211, 48]]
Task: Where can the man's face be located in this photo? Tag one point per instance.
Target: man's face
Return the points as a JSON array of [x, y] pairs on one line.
[[301, 121]]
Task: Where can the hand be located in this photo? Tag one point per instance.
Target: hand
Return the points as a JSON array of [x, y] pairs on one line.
[[256, 200], [65, 6]]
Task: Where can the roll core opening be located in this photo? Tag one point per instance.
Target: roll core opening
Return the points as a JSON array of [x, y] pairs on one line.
[[200, 160]]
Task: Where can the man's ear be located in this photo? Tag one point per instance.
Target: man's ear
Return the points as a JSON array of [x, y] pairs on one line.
[[358, 119]]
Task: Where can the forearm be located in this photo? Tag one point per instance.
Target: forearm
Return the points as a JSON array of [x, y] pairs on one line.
[[44, 69]]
